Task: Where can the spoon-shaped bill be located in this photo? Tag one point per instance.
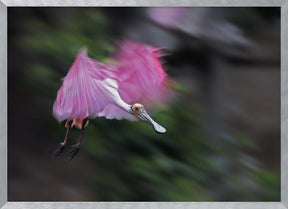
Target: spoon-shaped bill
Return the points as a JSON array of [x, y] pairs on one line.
[[144, 116]]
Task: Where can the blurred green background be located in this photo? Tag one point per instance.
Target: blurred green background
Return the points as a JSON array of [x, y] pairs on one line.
[[223, 127]]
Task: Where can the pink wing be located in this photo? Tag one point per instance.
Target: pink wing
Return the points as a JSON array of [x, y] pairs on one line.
[[141, 78], [82, 93], [140, 73]]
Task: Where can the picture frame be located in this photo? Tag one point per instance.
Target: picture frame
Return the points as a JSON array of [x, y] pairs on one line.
[[283, 4]]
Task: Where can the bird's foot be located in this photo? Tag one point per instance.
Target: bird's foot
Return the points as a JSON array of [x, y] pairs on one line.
[[74, 151], [59, 150]]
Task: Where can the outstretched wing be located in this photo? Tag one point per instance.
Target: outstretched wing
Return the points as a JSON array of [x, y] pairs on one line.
[[140, 73], [83, 93], [141, 78]]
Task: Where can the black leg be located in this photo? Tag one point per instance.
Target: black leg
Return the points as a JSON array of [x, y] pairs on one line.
[[62, 145], [75, 148]]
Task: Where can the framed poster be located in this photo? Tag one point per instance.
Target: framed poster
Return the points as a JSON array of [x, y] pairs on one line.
[[217, 141]]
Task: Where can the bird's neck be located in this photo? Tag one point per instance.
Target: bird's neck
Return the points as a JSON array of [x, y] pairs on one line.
[[124, 106], [112, 87]]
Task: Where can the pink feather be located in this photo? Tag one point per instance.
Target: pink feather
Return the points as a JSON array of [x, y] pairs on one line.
[[138, 73], [82, 93], [141, 78]]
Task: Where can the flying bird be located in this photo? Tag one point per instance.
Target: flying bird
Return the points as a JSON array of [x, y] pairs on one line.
[[116, 91]]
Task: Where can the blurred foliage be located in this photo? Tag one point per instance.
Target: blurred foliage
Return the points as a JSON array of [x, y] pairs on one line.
[[132, 161]]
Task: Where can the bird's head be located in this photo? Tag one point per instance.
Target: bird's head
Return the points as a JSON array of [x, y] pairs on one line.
[[139, 111]]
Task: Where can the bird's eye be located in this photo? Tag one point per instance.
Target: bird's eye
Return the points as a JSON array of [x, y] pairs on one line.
[[136, 108]]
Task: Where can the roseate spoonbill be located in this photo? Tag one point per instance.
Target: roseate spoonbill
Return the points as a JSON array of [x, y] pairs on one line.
[[94, 89]]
